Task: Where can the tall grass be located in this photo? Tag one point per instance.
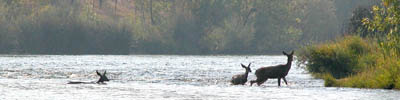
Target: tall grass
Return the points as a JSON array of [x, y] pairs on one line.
[[340, 58], [352, 62]]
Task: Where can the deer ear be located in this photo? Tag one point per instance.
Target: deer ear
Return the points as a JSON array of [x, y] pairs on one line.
[[104, 72], [243, 65], [284, 53], [98, 73], [292, 52], [249, 65]]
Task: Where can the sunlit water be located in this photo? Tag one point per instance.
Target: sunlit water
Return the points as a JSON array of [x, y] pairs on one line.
[[160, 77]]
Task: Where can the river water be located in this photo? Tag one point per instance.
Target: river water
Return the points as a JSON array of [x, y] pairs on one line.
[[147, 77]]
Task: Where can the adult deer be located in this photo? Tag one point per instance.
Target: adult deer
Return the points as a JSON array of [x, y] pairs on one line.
[[278, 71], [241, 78], [101, 80]]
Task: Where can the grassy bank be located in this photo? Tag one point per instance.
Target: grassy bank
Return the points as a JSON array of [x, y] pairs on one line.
[[353, 61]]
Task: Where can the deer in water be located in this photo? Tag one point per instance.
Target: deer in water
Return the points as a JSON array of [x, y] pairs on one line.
[[241, 78], [278, 71], [102, 79]]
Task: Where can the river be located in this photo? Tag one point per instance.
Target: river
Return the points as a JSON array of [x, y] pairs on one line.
[[44, 77]]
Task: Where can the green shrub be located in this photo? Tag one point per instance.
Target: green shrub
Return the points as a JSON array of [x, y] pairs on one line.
[[369, 65], [340, 58], [385, 74], [329, 80], [353, 62]]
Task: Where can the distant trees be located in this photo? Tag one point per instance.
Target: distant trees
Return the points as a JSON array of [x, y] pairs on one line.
[[165, 26], [356, 26]]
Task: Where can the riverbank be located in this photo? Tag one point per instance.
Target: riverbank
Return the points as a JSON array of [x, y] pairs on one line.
[[352, 61], [369, 58]]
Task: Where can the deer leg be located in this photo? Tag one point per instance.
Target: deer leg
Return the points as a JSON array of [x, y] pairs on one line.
[[243, 83], [284, 79], [252, 81], [279, 81], [258, 80], [261, 81]]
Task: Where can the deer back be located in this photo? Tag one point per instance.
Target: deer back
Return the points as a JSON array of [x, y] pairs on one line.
[[272, 71]]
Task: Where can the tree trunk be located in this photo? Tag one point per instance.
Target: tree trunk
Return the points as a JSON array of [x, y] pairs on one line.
[[151, 11], [100, 3], [115, 7]]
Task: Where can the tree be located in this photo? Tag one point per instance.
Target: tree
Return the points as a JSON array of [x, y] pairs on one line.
[[385, 25]]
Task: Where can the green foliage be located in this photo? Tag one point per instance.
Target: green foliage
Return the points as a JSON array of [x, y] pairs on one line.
[[164, 26], [52, 28], [384, 74], [374, 64], [352, 62], [384, 25], [356, 26], [340, 59], [329, 80]]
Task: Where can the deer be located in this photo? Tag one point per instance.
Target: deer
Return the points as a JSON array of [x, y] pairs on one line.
[[241, 78], [277, 71], [101, 80]]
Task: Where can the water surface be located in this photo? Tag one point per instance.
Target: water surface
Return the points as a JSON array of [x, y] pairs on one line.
[[160, 77]]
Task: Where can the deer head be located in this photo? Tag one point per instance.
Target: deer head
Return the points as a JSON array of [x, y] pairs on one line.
[[290, 56], [103, 77], [248, 69]]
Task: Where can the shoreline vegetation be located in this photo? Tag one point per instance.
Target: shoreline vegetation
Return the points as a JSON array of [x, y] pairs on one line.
[[364, 59]]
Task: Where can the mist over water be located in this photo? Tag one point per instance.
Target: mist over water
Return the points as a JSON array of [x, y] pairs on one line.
[[160, 77]]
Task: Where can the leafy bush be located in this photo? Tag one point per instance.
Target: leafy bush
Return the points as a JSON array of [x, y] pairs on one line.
[[340, 59], [356, 62], [385, 75], [353, 62]]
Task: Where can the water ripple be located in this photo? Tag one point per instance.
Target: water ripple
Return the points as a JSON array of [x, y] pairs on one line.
[[159, 77]]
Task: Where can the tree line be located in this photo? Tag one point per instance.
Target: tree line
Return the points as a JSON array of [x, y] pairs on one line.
[[170, 26]]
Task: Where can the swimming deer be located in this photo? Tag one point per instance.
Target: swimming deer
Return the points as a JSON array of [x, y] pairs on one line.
[[241, 78], [278, 71], [102, 79]]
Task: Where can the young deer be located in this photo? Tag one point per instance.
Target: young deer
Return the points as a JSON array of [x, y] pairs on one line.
[[278, 71], [241, 78], [102, 79]]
